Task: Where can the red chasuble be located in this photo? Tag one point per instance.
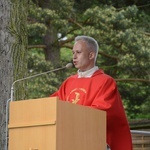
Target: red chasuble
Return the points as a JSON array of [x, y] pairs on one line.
[[100, 92]]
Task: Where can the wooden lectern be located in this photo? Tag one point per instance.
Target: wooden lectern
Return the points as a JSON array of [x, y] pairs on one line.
[[52, 124]]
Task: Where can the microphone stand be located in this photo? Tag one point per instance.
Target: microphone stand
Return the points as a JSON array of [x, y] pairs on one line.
[[69, 65]]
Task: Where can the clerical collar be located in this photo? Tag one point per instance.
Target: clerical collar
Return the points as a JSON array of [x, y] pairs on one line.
[[88, 73]]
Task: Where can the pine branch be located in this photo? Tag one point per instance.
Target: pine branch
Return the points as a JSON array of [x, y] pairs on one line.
[[132, 80]]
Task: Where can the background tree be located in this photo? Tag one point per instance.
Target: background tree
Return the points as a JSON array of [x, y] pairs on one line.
[[46, 20], [13, 48]]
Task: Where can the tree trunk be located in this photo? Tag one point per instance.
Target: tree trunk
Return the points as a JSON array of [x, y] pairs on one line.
[[13, 43], [50, 40], [6, 72], [52, 49]]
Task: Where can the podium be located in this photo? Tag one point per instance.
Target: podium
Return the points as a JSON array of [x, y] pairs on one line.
[[52, 124]]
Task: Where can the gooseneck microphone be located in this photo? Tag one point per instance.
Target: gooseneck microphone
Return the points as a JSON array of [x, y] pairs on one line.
[[69, 65]]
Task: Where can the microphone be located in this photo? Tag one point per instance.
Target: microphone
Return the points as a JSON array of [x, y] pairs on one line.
[[69, 65]]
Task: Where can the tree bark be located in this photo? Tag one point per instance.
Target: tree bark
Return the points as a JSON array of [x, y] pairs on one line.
[[6, 70], [13, 50], [18, 29], [52, 49]]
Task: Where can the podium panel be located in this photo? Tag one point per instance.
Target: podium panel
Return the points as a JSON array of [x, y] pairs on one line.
[[80, 127], [32, 124], [52, 124]]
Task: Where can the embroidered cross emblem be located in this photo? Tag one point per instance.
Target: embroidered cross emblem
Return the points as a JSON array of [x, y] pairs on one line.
[[74, 101]]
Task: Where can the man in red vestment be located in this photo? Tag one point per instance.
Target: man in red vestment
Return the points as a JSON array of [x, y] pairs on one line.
[[92, 87]]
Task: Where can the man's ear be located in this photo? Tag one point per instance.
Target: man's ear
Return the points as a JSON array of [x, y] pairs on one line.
[[91, 55]]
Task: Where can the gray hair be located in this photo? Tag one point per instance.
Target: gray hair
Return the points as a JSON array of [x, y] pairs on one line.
[[91, 43]]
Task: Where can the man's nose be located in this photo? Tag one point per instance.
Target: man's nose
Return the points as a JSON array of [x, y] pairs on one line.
[[74, 56]]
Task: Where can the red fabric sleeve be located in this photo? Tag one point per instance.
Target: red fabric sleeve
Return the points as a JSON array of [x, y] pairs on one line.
[[118, 132]]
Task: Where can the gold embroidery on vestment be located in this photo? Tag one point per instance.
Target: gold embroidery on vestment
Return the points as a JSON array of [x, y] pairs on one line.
[[74, 101]]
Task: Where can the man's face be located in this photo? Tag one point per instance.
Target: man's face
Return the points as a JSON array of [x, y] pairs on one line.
[[83, 58]]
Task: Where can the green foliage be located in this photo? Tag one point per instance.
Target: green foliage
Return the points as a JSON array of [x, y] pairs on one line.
[[42, 19], [125, 46], [66, 55], [39, 86], [46, 84], [135, 97]]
